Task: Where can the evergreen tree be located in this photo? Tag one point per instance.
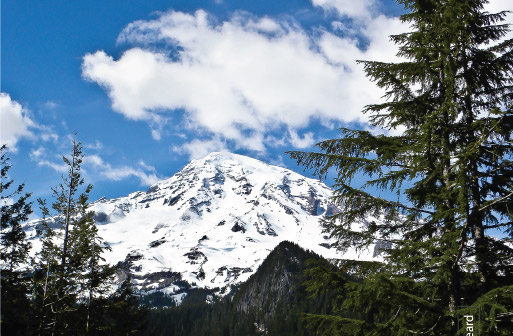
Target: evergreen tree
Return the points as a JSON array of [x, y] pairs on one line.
[[70, 209], [15, 210], [125, 315], [72, 281], [451, 170]]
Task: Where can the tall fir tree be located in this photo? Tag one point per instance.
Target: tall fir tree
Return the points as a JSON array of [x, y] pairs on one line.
[[452, 173], [15, 209], [69, 210], [72, 280]]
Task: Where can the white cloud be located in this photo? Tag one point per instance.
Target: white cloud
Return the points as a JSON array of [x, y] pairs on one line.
[[155, 134], [37, 153], [146, 166], [301, 142], [273, 141], [377, 27], [58, 167], [6, 201], [40, 156], [197, 149], [121, 173], [239, 77], [399, 130], [15, 122], [51, 105], [278, 162], [94, 160], [146, 175], [96, 146], [358, 9], [46, 133], [94, 166]]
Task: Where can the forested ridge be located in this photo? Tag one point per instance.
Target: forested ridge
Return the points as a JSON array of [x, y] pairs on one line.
[[271, 302]]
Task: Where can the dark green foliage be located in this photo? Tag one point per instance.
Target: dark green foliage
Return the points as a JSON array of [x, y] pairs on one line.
[[63, 290], [125, 314], [452, 173], [157, 300], [274, 297], [15, 209], [72, 282], [67, 288]]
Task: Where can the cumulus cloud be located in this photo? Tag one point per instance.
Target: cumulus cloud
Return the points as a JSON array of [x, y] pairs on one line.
[[239, 79], [15, 122], [244, 80]]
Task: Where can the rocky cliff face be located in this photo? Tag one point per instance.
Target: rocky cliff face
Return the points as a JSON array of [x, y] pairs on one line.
[[213, 223]]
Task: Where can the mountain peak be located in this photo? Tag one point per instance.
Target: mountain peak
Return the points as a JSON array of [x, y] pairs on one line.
[[219, 156], [228, 159], [214, 222]]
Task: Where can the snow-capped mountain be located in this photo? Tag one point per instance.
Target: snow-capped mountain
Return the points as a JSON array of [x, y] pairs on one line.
[[214, 222]]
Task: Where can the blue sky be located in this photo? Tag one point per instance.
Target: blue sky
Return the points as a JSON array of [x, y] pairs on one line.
[[150, 85]]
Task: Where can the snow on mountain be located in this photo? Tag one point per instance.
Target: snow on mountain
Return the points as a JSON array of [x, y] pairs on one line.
[[214, 222]]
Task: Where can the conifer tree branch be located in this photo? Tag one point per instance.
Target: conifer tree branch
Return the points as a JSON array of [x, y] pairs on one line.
[[496, 201]]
